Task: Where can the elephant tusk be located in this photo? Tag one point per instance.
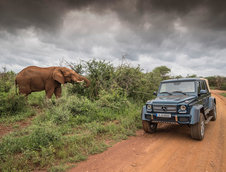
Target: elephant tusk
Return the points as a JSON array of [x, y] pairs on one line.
[[81, 81]]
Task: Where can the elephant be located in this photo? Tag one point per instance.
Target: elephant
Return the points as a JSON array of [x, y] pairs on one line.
[[33, 79]]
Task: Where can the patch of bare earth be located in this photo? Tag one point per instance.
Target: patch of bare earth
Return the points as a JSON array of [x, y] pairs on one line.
[[7, 128]]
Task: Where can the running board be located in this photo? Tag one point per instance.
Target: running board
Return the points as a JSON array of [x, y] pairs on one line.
[[208, 120]]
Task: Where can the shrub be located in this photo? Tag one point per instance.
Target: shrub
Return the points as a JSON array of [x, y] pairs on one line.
[[100, 73], [217, 82], [37, 99], [68, 107], [12, 104], [114, 99], [81, 106], [37, 137], [43, 136], [137, 85], [6, 81]]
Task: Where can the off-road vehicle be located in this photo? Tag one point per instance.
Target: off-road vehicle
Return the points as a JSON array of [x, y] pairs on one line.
[[181, 101]]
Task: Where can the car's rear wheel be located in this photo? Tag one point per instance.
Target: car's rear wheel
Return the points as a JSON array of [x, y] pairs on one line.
[[149, 127], [198, 130], [213, 113]]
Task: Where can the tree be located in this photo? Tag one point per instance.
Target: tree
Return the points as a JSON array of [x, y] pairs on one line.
[[191, 76], [163, 71]]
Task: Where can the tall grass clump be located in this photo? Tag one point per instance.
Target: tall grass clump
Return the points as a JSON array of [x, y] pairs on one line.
[[37, 99], [13, 107], [223, 94], [32, 147]]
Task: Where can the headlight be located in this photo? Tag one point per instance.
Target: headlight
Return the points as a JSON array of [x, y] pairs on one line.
[[183, 107], [149, 107]]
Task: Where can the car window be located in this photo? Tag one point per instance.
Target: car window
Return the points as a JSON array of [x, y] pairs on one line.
[[205, 86], [199, 86], [184, 86], [201, 83]]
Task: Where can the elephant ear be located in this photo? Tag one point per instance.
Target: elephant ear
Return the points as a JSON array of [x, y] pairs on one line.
[[58, 76]]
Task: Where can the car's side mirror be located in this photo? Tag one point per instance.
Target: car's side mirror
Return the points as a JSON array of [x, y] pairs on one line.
[[155, 93], [202, 92]]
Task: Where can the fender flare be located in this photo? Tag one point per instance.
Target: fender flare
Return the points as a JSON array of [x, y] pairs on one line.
[[143, 112], [195, 113], [212, 101]]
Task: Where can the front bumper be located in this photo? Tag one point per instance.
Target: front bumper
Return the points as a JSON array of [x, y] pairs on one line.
[[175, 118]]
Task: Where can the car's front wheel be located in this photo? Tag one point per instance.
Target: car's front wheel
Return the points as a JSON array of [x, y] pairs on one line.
[[198, 130], [149, 127]]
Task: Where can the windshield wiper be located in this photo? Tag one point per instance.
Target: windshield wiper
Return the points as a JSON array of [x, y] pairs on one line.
[[179, 92], [166, 92]]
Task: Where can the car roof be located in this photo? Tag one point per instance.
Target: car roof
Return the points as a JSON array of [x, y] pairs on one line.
[[183, 79]]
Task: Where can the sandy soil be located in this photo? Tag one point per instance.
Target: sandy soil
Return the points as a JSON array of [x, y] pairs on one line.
[[171, 149]]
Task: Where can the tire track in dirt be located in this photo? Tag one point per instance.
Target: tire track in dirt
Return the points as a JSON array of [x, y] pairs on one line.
[[170, 149]]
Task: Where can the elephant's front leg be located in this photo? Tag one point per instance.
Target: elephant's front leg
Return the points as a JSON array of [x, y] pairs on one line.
[[49, 88], [49, 92], [57, 92]]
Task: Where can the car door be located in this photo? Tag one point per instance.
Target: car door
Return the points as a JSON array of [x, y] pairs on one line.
[[205, 96], [200, 96]]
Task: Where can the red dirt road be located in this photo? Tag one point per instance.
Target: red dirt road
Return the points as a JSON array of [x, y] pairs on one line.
[[171, 149]]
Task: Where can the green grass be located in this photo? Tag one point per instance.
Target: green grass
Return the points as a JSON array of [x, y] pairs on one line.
[[6, 120], [213, 88], [223, 94], [18, 108], [67, 131], [37, 99]]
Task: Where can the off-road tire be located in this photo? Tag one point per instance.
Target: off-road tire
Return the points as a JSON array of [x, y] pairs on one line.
[[198, 130], [149, 127], [213, 113]]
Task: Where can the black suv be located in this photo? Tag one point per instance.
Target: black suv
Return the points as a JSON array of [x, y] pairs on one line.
[[181, 101]]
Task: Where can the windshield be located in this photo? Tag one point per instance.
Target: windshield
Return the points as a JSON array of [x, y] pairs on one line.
[[185, 86]]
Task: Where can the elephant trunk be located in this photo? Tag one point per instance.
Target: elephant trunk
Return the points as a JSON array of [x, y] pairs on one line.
[[86, 81]]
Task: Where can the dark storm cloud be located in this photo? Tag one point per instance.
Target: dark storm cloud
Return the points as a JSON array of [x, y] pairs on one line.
[[168, 31], [43, 14], [47, 14]]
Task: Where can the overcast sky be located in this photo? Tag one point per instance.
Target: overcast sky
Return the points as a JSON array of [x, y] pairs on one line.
[[188, 36]]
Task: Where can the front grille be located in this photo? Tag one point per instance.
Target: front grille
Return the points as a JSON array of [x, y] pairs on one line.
[[165, 108]]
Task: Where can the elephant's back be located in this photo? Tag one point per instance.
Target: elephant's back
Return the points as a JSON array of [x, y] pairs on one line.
[[34, 70], [27, 71], [34, 73]]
